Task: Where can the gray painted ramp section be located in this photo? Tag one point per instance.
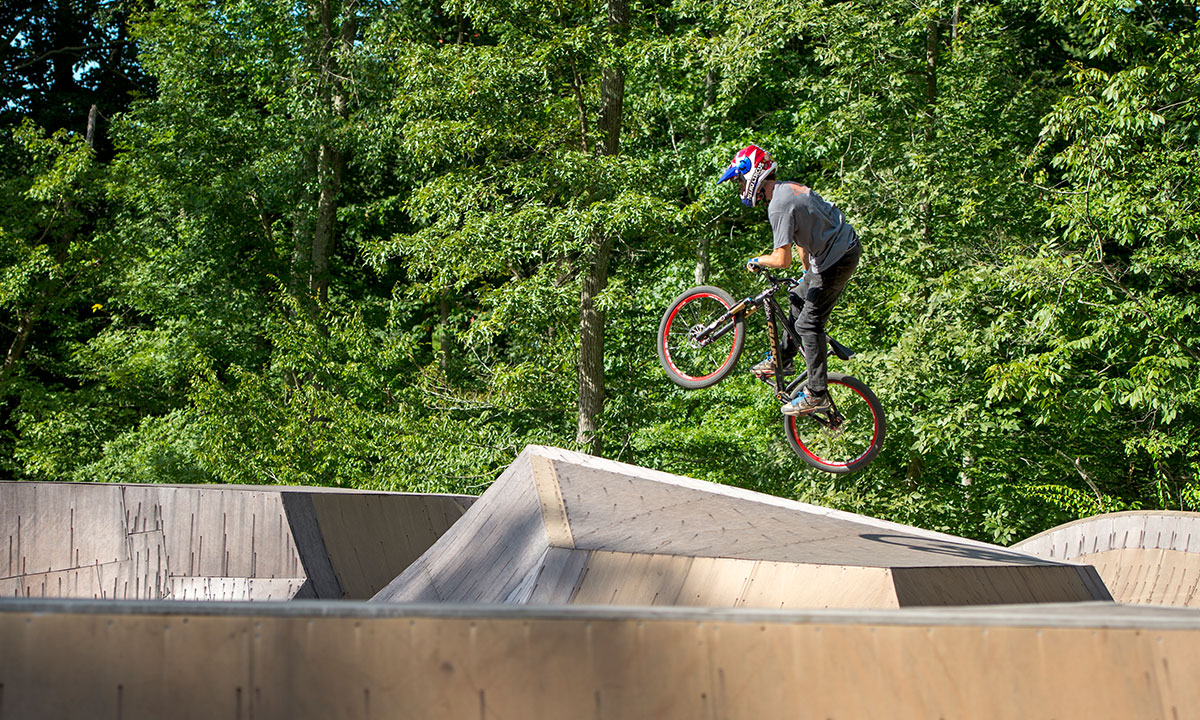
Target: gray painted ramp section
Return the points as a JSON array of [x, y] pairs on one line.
[[1149, 557], [566, 528], [486, 555], [211, 543]]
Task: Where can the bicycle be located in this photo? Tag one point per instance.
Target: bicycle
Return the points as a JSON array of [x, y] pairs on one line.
[[702, 335]]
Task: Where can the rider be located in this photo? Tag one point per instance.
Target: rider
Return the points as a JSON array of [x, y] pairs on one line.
[[829, 253]]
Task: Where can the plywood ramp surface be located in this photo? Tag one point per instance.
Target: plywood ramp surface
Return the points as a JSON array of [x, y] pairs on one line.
[[210, 542], [1149, 557], [562, 527], [371, 538], [618, 510], [615, 666], [486, 554], [646, 579]]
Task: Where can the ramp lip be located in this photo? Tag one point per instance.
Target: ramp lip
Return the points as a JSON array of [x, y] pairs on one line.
[[1075, 615], [1095, 519], [732, 491], [316, 489]]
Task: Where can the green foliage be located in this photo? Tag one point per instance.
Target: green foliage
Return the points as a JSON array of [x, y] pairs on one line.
[[1022, 174]]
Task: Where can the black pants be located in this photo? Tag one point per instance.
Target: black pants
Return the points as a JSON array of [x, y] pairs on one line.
[[811, 303]]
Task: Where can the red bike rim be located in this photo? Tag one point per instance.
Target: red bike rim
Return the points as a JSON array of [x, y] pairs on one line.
[[874, 435], [667, 333]]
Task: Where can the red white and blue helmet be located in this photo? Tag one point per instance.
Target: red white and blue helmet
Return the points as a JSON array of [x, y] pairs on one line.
[[752, 165]]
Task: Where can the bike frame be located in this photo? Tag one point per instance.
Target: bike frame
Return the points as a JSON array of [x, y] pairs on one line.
[[824, 438], [776, 317]]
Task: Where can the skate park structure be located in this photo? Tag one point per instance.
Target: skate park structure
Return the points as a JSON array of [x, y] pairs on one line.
[[1144, 557], [573, 587], [145, 542], [562, 528]]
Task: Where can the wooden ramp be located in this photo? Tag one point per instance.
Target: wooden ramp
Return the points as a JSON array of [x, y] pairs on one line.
[[122, 541], [1148, 557], [349, 660], [566, 528]]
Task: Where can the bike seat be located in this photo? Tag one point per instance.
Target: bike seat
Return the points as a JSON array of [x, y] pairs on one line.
[[840, 350]]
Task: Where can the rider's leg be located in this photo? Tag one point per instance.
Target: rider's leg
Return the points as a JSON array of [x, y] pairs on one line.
[[788, 349], [819, 298], [796, 303]]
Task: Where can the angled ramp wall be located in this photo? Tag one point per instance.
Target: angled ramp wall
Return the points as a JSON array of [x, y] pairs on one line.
[[211, 543], [567, 528], [1148, 557]]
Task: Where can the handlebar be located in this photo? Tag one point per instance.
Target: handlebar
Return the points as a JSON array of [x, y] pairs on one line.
[[772, 279]]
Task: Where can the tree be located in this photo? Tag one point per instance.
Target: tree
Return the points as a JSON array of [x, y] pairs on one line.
[[228, 189], [65, 69], [387, 245], [1118, 165], [591, 317], [68, 66]]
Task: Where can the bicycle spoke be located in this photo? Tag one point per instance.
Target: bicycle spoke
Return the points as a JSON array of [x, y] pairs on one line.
[[691, 358], [845, 437]]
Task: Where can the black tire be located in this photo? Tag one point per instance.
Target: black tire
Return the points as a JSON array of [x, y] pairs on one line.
[[821, 441], [688, 364]]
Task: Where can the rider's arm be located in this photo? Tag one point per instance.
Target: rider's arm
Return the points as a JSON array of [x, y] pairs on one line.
[[777, 259], [803, 258]]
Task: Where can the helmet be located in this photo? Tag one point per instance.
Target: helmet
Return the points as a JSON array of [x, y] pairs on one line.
[[752, 165]]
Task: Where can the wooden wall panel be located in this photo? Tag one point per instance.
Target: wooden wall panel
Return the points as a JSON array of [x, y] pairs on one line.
[[151, 542], [897, 665], [1147, 557]]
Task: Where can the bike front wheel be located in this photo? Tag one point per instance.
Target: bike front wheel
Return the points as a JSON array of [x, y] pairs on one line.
[[844, 438], [695, 353]]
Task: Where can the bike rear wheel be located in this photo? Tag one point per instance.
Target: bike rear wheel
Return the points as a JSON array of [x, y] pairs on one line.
[[697, 361], [844, 439]]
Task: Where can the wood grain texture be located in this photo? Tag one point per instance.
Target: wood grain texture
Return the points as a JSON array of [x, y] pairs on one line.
[[897, 665], [486, 554], [210, 542], [560, 527], [1147, 557]]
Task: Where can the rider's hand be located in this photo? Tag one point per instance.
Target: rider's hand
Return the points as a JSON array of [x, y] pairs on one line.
[[752, 265]]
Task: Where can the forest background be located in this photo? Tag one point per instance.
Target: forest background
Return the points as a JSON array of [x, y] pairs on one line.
[[386, 243]]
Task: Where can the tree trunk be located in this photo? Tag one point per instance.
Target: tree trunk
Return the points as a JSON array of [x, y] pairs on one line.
[[591, 349], [933, 36], [330, 165], [331, 159], [612, 101], [68, 39], [90, 135], [591, 317], [16, 348], [710, 98]]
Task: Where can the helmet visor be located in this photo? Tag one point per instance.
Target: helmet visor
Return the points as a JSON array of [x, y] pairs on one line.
[[740, 167]]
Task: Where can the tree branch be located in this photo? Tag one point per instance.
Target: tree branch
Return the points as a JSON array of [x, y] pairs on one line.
[[69, 49]]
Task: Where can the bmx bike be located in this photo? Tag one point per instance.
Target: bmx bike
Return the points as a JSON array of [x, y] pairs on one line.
[[702, 335]]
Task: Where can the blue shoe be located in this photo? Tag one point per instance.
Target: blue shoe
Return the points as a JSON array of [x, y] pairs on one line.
[[766, 368], [805, 404]]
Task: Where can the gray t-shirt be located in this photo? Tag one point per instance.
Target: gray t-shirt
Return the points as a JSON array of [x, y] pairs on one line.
[[801, 216]]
